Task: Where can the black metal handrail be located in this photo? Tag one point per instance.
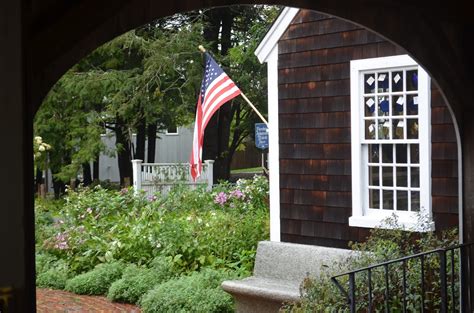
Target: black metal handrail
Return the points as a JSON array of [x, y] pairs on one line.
[[442, 253]]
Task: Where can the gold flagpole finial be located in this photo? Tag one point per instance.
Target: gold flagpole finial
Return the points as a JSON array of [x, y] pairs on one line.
[[202, 49]]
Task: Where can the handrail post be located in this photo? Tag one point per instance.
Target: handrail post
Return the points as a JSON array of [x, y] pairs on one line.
[[209, 173], [137, 175], [464, 276], [352, 292], [443, 285]]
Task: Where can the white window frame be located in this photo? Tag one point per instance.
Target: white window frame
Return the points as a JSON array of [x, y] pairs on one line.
[[361, 215]]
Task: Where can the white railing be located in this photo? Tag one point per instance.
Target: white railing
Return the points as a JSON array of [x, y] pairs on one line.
[[161, 177]]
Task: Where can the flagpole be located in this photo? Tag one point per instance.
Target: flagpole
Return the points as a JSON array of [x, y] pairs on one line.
[[254, 108], [201, 48]]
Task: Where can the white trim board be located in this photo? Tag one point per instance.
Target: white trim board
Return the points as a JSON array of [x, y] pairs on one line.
[[267, 52], [273, 152], [272, 37]]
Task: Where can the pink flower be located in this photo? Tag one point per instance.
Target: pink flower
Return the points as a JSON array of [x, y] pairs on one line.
[[221, 198], [151, 198], [237, 194]]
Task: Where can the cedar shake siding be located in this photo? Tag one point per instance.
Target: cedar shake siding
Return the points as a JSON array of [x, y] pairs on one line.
[[315, 132]]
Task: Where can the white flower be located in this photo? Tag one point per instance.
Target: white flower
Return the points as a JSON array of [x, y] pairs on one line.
[[189, 218], [41, 148], [38, 140]]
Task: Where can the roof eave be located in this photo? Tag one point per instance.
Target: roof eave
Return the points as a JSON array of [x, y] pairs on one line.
[[274, 34]]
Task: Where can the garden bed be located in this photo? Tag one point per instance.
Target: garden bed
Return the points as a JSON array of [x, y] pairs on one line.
[[141, 250]]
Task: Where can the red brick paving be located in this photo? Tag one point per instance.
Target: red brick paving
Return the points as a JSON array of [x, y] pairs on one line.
[[48, 300]]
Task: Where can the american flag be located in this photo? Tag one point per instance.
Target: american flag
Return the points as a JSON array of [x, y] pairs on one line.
[[216, 89]]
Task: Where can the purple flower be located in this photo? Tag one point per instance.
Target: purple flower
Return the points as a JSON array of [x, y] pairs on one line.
[[237, 194], [220, 198], [61, 241]]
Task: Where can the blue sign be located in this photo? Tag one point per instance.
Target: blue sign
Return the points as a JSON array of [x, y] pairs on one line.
[[261, 135]]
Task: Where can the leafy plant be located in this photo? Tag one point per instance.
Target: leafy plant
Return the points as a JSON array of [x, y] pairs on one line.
[[198, 292], [95, 225], [97, 281], [136, 281], [53, 275], [322, 295]]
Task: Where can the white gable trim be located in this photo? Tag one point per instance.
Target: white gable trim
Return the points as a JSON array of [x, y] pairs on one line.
[[267, 51], [274, 34]]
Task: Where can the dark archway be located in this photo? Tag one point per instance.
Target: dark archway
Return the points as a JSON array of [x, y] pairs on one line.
[[42, 39]]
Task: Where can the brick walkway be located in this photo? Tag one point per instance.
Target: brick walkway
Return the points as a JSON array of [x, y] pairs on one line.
[[48, 300]]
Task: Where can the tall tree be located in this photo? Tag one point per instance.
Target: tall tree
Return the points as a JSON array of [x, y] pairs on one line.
[[233, 33], [148, 79]]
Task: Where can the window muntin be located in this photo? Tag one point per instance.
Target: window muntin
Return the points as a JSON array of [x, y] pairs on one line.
[[390, 126]]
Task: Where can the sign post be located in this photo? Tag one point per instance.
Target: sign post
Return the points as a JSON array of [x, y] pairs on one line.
[[261, 141]]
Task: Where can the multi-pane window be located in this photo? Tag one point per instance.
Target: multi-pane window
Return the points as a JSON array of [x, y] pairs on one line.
[[172, 130], [390, 140]]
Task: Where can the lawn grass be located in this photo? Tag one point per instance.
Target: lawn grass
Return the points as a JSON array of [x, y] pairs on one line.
[[247, 170]]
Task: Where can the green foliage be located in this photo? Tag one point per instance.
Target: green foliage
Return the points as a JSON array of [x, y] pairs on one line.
[[321, 294], [97, 281], [43, 262], [52, 274], [136, 281], [95, 225], [198, 292], [146, 76], [137, 77]]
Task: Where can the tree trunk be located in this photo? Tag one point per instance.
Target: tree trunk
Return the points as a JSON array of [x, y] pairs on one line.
[[151, 134], [124, 153], [222, 168], [216, 138], [86, 174], [141, 136], [212, 24], [59, 187], [211, 35], [95, 169], [38, 178]]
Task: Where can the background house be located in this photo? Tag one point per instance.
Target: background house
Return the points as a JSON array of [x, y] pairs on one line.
[[172, 146], [320, 196]]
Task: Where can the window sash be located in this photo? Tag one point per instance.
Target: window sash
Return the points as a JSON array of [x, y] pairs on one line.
[[360, 164]]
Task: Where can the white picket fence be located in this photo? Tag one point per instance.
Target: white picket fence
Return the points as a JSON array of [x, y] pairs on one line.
[[161, 177]]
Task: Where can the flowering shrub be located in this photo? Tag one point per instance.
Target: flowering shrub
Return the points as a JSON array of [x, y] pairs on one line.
[[39, 147], [94, 225], [246, 195]]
